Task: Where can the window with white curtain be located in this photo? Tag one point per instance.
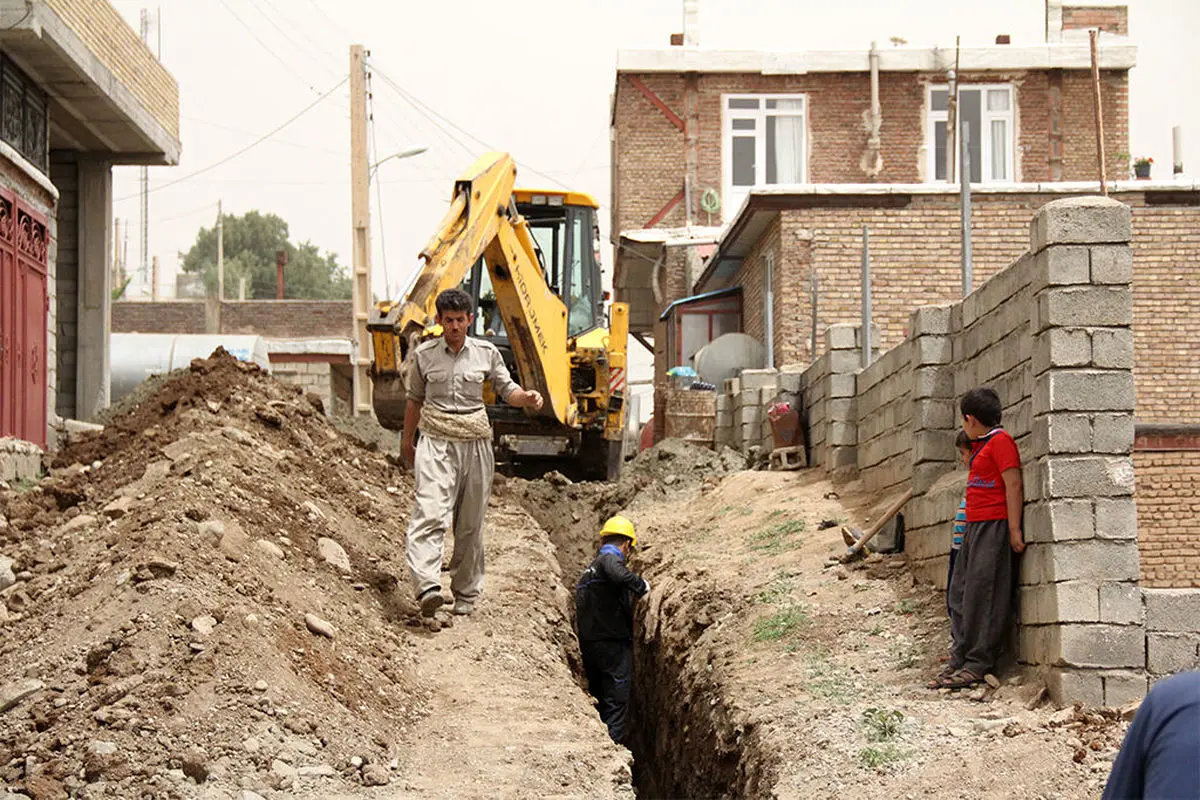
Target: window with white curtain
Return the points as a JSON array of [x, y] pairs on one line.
[[987, 111], [764, 143]]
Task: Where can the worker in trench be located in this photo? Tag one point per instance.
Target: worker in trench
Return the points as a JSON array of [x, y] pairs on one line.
[[453, 463], [604, 599]]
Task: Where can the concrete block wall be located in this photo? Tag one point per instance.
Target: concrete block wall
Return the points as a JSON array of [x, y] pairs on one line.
[[312, 376], [1172, 631], [883, 404]]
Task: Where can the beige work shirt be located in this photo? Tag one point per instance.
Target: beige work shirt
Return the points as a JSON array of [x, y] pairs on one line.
[[453, 382]]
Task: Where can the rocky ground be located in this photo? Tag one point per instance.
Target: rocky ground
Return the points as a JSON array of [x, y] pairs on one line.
[[766, 669], [206, 600]]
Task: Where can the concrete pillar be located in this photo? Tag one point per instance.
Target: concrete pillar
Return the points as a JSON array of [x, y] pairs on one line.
[[95, 287], [935, 420], [1081, 606]]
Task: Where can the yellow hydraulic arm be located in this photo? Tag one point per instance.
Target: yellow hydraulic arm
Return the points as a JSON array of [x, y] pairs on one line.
[[483, 221]]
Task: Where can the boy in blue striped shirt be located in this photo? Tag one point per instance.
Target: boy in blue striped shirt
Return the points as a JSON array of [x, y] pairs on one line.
[[963, 443]]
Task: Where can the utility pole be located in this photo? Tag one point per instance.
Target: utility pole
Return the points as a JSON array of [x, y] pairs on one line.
[[220, 253], [360, 213]]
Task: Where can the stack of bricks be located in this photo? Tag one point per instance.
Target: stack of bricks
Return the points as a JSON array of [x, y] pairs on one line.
[[723, 429], [1081, 607], [758, 390], [843, 345]]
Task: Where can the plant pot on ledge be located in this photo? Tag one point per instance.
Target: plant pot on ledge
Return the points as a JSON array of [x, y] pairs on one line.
[[1142, 171]]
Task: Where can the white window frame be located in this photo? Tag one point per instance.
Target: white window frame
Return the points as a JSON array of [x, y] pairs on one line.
[[732, 197], [986, 119]]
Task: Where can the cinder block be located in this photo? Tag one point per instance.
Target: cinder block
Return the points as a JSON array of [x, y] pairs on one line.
[[876, 337], [844, 361], [733, 386], [841, 457], [840, 337], [1101, 646], [1083, 390], [842, 434], [1121, 603], [1061, 347], [1062, 433], [1080, 220], [1084, 305], [724, 402], [750, 415], [927, 474], [1034, 644], [840, 409], [1112, 433], [1049, 603], [1168, 653], [1067, 686], [933, 350], [929, 321], [1116, 518], [1112, 264], [759, 378], [1122, 687], [842, 386], [789, 382], [1112, 348], [1061, 265], [1087, 476], [934, 414], [1172, 610], [935, 382], [1058, 521], [937, 445], [1086, 560]]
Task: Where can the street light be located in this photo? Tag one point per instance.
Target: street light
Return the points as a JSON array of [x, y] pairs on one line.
[[415, 151]]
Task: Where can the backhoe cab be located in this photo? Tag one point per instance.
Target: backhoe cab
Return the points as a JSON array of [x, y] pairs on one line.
[[528, 259]]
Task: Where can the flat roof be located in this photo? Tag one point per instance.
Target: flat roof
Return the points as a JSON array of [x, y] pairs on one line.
[[761, 205], [1065, 55]]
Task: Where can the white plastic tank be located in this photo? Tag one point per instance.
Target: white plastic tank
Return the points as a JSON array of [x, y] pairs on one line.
[[136, 356], [727, 355]]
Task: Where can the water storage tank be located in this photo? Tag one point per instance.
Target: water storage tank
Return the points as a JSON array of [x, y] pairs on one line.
[[137, 356], [727, 355]]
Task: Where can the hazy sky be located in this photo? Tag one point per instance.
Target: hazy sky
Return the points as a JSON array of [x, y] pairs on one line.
[[529, 76]]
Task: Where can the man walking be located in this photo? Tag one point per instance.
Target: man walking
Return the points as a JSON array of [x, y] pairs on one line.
[[604, 616], [453, 463]]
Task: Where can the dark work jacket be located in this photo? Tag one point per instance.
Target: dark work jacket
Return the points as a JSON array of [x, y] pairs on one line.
[[604, 598]]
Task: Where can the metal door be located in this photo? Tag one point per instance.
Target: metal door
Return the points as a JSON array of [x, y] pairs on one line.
[[24, 310]]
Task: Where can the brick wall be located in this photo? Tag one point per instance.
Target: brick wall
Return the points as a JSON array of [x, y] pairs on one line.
[[649, 164], [1113, 19], [64, 173], [1168, 509], [162, 317], [105, 33], [273, 319], [915, 260]]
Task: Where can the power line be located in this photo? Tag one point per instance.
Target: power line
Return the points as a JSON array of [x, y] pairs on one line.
[[244, 132], [312, 47], [288, 67], [248, 147], [425, 109], [374, 150]]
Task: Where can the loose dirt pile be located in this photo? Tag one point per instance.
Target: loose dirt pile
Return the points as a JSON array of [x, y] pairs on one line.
[[210, 601], [763, 670]]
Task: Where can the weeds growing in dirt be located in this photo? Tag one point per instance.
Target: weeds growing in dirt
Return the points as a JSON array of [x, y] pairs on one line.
[[905, 654], [882, 724], [775, 591], [777, 538], [780, 625], [878, 629], [907, 607], [825, 680], [875, 757], [741, 511]]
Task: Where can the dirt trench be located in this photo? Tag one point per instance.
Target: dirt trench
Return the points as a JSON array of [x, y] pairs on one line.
[[686, 742]]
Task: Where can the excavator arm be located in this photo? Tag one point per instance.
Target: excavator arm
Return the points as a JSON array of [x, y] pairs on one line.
[[482, 221]]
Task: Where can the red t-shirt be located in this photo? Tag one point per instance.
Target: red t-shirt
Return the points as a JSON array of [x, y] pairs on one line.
[[993, 455]]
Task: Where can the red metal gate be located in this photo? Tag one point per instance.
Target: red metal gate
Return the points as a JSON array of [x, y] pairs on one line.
[[24, 308]]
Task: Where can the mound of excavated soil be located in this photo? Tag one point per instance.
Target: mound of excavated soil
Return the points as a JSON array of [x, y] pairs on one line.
[[210, 598]]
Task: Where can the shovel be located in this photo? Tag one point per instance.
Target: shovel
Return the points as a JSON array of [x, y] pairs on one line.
[[857, 540]]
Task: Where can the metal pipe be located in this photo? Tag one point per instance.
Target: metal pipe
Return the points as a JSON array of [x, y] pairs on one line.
[[874, 161], [866, 297], [1177, 150], [769, 311], [812, 287], [1099, 114], [964, 195]]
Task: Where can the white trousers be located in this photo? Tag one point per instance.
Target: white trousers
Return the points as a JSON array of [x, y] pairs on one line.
[[453, 479]]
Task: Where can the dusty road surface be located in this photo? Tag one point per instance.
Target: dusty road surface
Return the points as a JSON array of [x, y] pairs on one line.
[[207, 605], [764, 671]]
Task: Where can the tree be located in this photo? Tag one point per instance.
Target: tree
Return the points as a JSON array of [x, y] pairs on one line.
[[251, 242]]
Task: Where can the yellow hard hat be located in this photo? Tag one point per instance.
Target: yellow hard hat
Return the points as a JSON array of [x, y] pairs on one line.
[[620, 526]]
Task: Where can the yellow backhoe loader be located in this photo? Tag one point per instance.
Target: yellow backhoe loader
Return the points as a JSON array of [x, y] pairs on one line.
[[528, 259]]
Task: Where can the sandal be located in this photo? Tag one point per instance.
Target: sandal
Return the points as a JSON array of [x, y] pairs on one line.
[[962, 679], [940, 679]]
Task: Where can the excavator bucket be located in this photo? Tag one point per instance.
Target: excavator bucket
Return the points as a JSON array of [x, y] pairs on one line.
[[390, 399]]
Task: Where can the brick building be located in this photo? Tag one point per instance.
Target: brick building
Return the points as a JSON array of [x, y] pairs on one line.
[[80, 93]]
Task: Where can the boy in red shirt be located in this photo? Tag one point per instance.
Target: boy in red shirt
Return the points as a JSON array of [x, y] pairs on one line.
[[981, 591]]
